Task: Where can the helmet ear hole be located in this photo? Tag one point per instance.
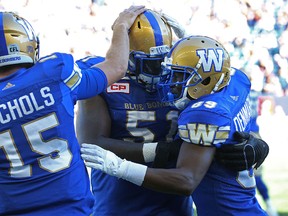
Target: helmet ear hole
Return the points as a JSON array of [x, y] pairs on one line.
[[206, 81], [206, 65]]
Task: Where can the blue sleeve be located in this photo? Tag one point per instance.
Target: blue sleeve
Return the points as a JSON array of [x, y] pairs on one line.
[[89, 61], [79, 79], [213, 119], [205, 128], [93, 82]]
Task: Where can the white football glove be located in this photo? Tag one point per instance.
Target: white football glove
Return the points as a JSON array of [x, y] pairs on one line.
[[98, 158], [175, 25]]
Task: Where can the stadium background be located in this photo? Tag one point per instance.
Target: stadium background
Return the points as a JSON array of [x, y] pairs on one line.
[[254, 32]]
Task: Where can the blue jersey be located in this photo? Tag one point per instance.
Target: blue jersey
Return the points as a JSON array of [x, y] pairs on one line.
[[137, 116], [254, 95], [211, 121], [42, 172]]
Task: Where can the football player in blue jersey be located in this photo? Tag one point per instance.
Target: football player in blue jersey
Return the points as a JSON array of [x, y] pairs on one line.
[[132, 111], [198, 79], [42, 172], [136, 114]]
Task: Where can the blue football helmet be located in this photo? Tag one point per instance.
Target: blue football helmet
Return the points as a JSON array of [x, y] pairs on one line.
[[18, 41], [150, 40], [194, 67]]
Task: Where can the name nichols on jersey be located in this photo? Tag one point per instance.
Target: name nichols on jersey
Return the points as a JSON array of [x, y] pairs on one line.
[[25, 105]]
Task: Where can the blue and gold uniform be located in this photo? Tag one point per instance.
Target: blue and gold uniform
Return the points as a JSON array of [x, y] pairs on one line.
[[212, 120], [42, 172], [137, 116]]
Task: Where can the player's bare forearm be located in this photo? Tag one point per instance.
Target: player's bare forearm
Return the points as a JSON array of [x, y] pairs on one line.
[[124, 149], [90, 113]]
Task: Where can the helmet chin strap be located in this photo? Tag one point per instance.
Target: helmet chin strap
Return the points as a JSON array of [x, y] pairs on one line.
[[217, 84], [182, 103]]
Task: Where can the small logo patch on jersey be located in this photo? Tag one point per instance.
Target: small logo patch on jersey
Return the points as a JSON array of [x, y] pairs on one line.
[[119, 87], [235, 98], [8, 85]]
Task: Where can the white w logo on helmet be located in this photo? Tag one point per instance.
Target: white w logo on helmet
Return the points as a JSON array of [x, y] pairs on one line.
[[211, 57]]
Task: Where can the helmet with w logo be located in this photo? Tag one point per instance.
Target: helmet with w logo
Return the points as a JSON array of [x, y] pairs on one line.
[[194, 67]]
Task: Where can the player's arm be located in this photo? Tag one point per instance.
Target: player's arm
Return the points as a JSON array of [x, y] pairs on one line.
[[193, 163], [250, 151], [160, 153], [93, 124], [92, 119], [117, 56], [243, 155]]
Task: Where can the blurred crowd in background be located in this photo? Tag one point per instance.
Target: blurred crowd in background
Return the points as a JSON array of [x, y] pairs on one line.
[[254, 32]]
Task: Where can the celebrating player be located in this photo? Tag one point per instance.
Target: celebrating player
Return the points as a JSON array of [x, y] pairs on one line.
[[42, 172], [198, 79]]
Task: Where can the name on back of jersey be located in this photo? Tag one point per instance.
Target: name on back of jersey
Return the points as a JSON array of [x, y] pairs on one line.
[[26, 104], [242, 118]]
